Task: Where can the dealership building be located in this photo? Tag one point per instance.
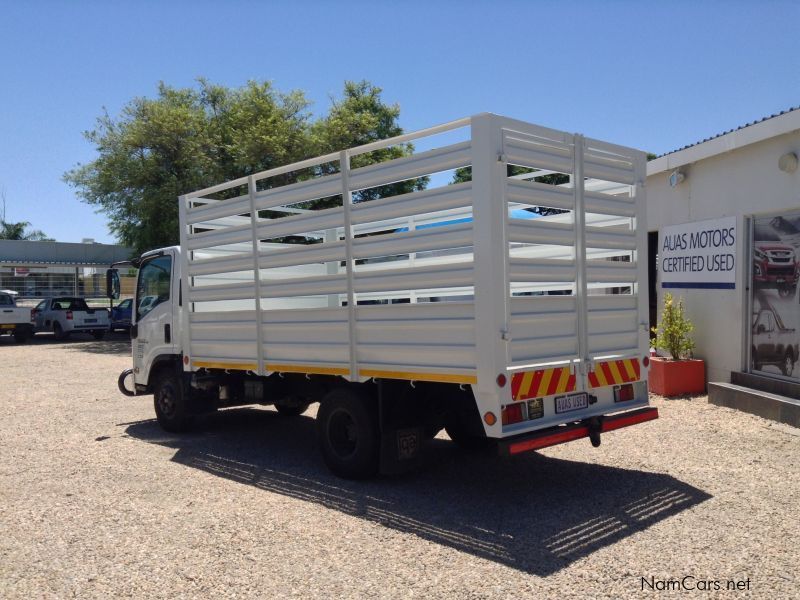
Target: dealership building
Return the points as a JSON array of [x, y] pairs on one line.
[[724, 222]]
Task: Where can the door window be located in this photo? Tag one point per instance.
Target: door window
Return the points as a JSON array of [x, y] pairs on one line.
[[153, 285]]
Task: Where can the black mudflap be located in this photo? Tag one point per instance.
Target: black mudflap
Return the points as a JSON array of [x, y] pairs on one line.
[[401, 449]]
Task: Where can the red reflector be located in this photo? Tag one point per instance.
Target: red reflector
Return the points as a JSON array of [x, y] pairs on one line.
[[624, 393], [646, 361], [69, 315], [512, 414], [501, 380]]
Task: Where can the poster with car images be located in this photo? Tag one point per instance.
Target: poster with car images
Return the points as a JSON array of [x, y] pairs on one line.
[[775, 300]]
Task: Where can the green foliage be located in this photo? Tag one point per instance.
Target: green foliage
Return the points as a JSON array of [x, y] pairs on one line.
[[674, 329], [190, 138]]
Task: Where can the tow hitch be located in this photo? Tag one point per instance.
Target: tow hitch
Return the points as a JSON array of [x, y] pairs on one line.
[[595, 426]]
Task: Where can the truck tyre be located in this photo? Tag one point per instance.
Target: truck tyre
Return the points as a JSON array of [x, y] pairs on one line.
[[347, 428], [99, 334], [22, 335], [787, 366], [292, 410], [171, 401], [58, 331]]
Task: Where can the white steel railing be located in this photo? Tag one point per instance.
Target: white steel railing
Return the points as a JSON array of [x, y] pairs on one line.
[[463, 274]]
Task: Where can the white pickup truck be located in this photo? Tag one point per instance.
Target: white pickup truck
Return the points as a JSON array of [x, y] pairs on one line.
[[14, 320], [68, 314], [464, 306]]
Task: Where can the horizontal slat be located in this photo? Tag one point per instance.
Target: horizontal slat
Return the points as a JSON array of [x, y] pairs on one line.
[[535, 305], [219, 237], [414, 203], [595, 170], [409, 167], [606, 271], [228, 291], [533, 193], [550, 349], [421, 240], [612, 303], [300, 254], [623, 342], [532, 152], [611, 237], [539, 231], [541, 269], [313, 222], [597, 202], [443, 276], [222, 264], [217, 209], [302, 191], [304, 286]]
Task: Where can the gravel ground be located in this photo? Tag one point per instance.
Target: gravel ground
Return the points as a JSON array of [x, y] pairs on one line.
[[96, 501]]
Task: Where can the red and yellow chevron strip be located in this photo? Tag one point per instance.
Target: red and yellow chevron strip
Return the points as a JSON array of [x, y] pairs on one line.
[[545, 382], [614, 372]]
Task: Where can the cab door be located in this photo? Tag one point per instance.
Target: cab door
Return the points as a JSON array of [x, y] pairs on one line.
[[153, 314]]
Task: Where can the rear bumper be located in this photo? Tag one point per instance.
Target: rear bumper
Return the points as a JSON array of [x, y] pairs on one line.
[[560, 434]]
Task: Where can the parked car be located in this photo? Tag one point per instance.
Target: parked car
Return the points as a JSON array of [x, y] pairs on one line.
[[121, 315], [14, 320], [68, 314], [775, 263], [773, 342]]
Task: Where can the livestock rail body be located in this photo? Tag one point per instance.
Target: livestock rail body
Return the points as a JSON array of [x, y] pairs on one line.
[[521, 282]]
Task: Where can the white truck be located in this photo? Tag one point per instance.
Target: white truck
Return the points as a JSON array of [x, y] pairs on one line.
[[460, 306], [14, 320], [65, 315]]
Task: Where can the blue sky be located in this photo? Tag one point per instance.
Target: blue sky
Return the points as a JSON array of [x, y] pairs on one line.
[[654, 75]]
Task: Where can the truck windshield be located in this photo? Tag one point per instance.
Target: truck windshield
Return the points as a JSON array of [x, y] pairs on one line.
[[152, 288]]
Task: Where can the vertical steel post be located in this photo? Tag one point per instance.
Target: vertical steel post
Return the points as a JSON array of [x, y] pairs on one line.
[[581, 287], [490, 271], [186, 306], [642, 254], [347, 201], [251, 191]]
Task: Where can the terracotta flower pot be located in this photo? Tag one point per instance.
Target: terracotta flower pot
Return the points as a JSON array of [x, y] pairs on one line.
[[676, 377]]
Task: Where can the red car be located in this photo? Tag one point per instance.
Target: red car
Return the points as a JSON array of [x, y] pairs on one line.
[[775, 264]]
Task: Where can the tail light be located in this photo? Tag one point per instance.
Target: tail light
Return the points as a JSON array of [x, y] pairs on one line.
[[624, 393], [69, 315], [512, 414]]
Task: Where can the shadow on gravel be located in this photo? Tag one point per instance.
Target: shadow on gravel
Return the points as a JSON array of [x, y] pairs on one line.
[[117, 343], [532, 513]]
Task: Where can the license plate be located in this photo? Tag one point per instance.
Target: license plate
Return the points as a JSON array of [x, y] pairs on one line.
[[7, 326], [90, 321], [570, 403]]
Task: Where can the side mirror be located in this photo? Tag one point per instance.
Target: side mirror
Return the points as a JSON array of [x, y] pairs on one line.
[[112, 284]]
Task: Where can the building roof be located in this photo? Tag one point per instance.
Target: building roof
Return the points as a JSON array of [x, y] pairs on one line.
[[785, 121], [22, 253]]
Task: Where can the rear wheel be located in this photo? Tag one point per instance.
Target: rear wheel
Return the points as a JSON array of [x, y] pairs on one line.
[[22, 335], [59, 332], [99, 334], [787, 366], [347, 427], [171, 401]]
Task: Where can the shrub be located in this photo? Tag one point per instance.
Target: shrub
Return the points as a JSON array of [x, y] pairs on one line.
[[674, 329]]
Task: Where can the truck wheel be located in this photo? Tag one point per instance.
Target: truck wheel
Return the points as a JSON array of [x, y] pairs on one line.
[[171, 401], [99, 334], [787, 366], [59, 332], [292, 410], [347, 427], [22, 335]]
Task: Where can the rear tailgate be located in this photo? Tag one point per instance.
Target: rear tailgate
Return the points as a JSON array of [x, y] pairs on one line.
[[12, 315], [94, 317]]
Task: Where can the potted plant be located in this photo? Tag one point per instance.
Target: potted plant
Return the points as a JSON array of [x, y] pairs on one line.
[[678, 373]]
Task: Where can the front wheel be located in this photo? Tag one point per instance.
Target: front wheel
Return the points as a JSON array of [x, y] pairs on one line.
[[787, 366], [171, 401], [58, 331], [347, 427]]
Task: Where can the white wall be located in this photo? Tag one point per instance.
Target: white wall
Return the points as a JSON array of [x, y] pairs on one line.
[[741, 183]]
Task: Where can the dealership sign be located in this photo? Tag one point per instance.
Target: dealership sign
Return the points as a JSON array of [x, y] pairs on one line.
[[699, 255]]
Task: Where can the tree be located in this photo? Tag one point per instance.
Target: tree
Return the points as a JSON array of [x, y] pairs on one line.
[[187, 139], [17, 231]]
